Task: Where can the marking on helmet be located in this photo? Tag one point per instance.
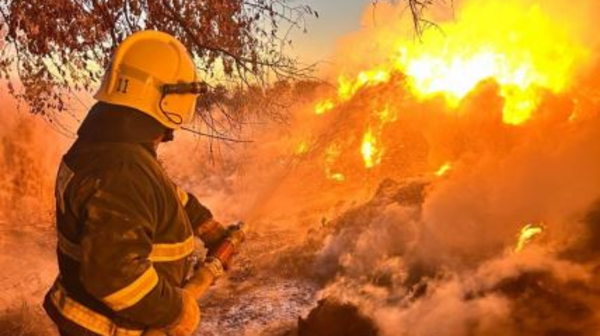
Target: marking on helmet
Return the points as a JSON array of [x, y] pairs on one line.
[[122, 86]]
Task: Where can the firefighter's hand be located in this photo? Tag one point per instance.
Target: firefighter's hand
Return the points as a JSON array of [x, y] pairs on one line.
[[188, 320], [212, 233]]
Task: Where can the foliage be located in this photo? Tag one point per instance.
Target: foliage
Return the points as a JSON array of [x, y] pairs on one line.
[[58, 49], [63, 45], [417, 11]]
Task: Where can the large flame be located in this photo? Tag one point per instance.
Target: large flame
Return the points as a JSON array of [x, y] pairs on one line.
[[518, 46], [370, 149], [528, 52]]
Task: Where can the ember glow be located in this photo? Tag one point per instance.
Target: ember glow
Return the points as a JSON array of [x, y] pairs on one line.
[[370, 150], [527, 234], [302, 148], [444, 169], [324, 106], [332, 154]]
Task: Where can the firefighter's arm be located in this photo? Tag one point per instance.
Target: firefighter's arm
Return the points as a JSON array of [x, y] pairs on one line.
[[117, 241], [209, 230]]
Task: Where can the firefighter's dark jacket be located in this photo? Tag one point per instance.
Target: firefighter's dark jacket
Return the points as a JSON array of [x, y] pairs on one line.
[[125, 231]]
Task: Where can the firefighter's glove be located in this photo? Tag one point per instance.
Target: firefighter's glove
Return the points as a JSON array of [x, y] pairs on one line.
[[188, 319], [212, 234]]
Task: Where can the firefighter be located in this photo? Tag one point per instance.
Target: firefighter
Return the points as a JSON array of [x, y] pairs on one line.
[[125, 230]]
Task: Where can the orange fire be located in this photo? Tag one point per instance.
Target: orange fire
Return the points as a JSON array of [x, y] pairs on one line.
[[444, 169], [370, 151], [324, 106], [302, 148], [332, 153], [348, 88], [527, 234], [518, 45]]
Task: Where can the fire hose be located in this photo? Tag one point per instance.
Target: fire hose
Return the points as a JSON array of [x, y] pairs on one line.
[[213, 268]]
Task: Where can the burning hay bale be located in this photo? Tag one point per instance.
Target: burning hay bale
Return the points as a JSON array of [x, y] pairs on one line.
[[587, 245], [359, 237], [536, 296], [388, 259], [540, 288]]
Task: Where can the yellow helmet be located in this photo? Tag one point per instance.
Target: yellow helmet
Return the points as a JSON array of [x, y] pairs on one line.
[[153, 72]]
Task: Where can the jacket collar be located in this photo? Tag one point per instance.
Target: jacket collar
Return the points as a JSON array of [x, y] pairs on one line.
[[115, 123]]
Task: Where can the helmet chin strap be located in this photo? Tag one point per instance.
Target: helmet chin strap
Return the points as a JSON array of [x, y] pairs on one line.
[[175, 118]]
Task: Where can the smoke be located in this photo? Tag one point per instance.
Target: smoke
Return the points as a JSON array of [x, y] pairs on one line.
[[30, 150], [436, 255], [541, 179], [508, 296], [448, 265], [29, 154], [387, 25]]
